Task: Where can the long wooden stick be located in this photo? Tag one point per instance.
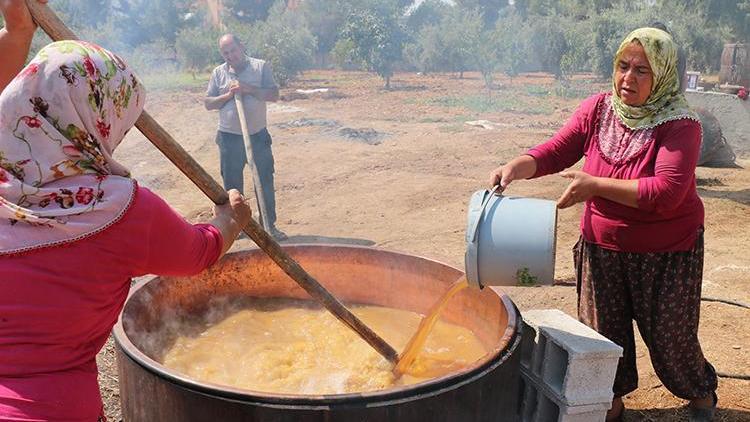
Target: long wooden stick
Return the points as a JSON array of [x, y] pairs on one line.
[[56, 29], [259, 197]]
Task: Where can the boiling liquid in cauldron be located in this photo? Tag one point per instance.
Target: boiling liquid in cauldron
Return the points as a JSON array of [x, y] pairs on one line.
[[285, 346]]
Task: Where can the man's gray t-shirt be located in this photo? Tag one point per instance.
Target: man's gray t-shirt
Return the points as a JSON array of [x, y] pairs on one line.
[[257, 73]]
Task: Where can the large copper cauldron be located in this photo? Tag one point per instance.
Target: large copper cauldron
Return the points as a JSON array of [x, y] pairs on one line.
[[485, 391]]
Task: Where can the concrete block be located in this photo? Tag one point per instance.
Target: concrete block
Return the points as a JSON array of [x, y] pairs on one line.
[[572, 362], [536, 406]]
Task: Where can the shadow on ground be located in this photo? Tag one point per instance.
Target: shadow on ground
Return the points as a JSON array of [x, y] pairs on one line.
[[740, 196]]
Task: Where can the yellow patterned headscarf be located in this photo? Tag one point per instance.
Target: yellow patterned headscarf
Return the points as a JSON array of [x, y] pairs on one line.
[[666, 102]]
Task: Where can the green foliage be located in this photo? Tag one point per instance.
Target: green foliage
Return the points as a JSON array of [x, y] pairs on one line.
[[154, 57], [563, 37], [197, 49], [374, 41], [732, 17], [609, 29], [488, 9], [507, 102], [426, 54], [576, 90], [429, 12], [78, 14], [511, 35], [454, 45], [247, 11], [701, 44], [563, 89], [580, 43], [324, 19], [143, 21], [548, 45], [343, 54], [283, 40], [460, 37], [488, 56], [524, 277]]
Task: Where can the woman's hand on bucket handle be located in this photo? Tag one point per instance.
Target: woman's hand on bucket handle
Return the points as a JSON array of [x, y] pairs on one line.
[[521, 167]]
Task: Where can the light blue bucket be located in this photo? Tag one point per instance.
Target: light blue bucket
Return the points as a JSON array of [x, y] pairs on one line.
[[510, 240]]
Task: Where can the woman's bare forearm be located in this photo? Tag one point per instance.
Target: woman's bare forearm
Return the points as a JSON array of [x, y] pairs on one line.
[[15, 38], [229, 230], [15, 47], [521, 167]]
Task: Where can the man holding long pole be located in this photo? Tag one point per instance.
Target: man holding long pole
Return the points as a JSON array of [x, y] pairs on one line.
[[252, 81]]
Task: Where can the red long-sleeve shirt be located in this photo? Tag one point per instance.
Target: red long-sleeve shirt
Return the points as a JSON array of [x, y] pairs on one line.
[[58, 305], [669, 213]]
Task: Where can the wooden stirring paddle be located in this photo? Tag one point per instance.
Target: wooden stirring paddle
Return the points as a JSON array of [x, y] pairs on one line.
[[260, 199], [57, 30]]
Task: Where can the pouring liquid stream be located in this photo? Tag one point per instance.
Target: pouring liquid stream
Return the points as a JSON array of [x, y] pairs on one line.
[[416, 343]]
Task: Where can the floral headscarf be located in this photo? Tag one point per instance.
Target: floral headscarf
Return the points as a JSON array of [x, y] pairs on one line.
[[666, 102], [60, 120]]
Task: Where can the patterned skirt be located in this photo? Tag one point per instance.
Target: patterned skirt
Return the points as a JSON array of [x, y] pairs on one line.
[[661, 292]]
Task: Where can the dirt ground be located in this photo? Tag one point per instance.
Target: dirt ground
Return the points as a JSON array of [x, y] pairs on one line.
[[395, 168]]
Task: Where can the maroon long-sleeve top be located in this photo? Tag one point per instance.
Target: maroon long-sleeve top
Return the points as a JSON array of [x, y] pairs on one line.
[[663, 160]]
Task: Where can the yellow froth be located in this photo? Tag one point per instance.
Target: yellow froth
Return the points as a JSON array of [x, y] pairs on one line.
[[303, 350]]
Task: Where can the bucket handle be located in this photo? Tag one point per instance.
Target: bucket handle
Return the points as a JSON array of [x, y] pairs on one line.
[[496, 190]]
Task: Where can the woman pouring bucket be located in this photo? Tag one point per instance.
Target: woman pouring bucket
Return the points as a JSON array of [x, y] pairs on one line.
[[640, 253]]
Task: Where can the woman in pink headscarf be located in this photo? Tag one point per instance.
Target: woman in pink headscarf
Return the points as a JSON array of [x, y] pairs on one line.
[[74, 228]]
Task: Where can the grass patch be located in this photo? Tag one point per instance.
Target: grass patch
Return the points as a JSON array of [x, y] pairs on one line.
[[537, 90], [175, 81], [453, 128], [574, 91], [495, 103], [524, 277], [569, 90], [462, 118], [430, 119]]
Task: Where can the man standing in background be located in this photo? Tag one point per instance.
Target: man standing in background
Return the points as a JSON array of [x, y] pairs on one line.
[[253, 78]]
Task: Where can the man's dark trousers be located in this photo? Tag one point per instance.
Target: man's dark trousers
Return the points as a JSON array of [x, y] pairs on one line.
[[233, 159]]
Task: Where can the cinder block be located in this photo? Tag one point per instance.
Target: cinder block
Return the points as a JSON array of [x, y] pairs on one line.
[[572, 362], [539, 407]]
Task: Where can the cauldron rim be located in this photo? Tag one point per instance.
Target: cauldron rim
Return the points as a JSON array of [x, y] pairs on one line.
[[507, 345]]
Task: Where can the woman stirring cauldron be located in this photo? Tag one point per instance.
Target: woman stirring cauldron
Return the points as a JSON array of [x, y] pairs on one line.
[[640, 255], [74, 227]]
